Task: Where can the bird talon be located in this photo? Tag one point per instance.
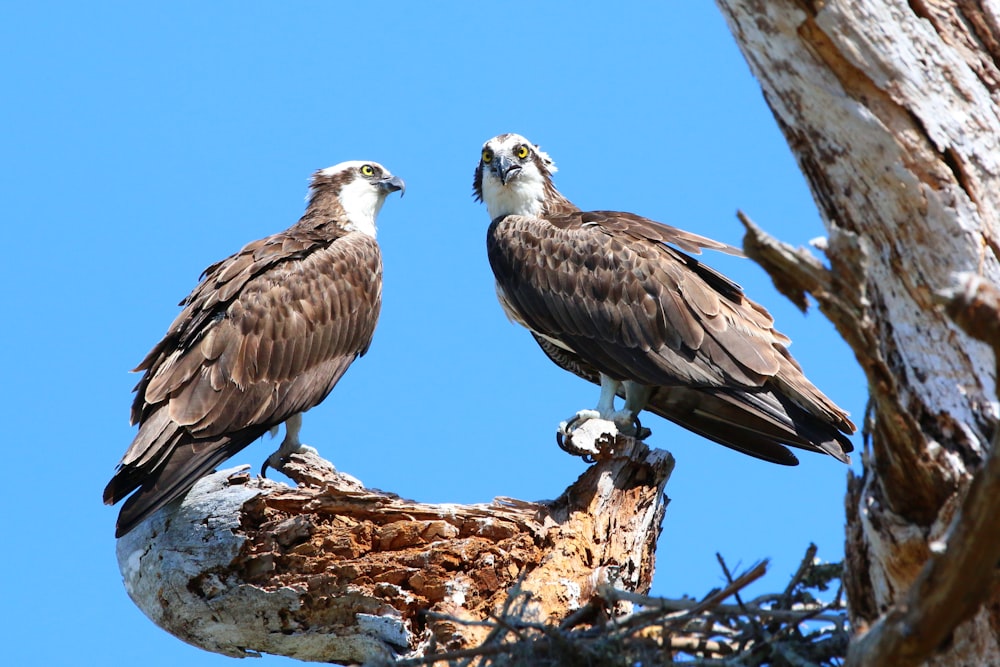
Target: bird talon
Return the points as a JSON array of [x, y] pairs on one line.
[[641, 432], [278, 459], [559, 438], [270, 464], [567, 427], [579, 423], [564, 436]]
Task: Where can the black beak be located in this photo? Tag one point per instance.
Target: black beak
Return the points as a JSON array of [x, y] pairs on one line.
[[393, 184], [505, 168]]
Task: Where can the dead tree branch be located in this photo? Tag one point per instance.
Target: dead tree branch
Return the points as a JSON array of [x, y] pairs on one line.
[[331, 571]]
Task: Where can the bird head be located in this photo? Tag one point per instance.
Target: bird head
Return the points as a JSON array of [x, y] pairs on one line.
[[360, 187], [514, 177]]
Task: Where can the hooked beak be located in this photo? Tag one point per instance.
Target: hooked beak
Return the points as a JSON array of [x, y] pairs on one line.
[[505, 169], [393, 184]]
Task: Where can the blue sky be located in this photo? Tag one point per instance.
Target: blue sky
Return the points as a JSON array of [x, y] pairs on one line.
[[143, 142]]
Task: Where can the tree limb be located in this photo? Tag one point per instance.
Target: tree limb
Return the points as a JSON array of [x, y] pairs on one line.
[[331, 571]]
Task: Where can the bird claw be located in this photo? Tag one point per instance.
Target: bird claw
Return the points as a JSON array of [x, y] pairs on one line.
[[577, 420], [641, 432], [564, 438], [564, 434], [565, 441], [628, 424], [577, 437], [277, 460]]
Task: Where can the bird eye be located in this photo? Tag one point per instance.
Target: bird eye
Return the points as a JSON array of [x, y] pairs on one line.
[[522, 151], [487, 155], [367, 170]]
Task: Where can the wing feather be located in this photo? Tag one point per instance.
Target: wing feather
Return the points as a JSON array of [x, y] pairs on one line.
[[256, 342], [657, 316], [756, 423], [623, 298]]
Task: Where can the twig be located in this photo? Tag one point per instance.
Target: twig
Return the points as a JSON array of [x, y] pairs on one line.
[[752, 621], [794, 272], [706, 632], [804, 566], [750, 609], [448, 656], [653, 607]]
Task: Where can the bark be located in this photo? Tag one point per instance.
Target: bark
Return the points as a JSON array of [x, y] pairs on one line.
[[962, 574], [891, 110], [330, 571]]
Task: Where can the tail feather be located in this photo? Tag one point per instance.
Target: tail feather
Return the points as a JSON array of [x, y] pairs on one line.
[[170, 465], [759, 423]]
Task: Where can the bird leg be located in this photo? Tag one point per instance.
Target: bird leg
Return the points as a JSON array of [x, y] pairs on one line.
[[625, 421], [290, 445], [605, 407], [636, 397]]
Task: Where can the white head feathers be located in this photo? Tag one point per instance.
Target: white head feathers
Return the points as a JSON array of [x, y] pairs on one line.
[[513, 176], [361, 188]]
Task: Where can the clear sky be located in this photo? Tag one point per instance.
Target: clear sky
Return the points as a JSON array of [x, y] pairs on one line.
[[141, 142]]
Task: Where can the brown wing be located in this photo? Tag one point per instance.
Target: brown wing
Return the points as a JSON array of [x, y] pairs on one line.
[[607, 287], [267, 334], [640, 228], [757, 423]]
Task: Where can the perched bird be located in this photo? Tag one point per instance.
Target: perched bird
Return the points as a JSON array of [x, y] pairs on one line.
[[618, 300], [265, 336]]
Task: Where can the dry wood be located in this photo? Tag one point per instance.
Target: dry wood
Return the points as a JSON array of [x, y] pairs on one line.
[[891, 109], [331, 571], [771, 629], [963, 573]]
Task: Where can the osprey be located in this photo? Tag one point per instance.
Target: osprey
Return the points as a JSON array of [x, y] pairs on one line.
[[618, 300], [265, 336]]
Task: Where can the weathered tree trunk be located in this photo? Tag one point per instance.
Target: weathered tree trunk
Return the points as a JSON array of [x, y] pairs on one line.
[[891, 109], [330, 571]]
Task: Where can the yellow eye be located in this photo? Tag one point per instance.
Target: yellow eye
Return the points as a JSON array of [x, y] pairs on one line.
[[367, 170], [522, 151], [487, 155]]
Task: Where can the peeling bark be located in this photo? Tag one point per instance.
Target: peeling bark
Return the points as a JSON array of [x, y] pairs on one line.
[[962, 574], [891, 109], [330, 571]]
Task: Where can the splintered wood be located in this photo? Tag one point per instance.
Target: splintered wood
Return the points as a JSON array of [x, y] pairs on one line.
[[331, 571]]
